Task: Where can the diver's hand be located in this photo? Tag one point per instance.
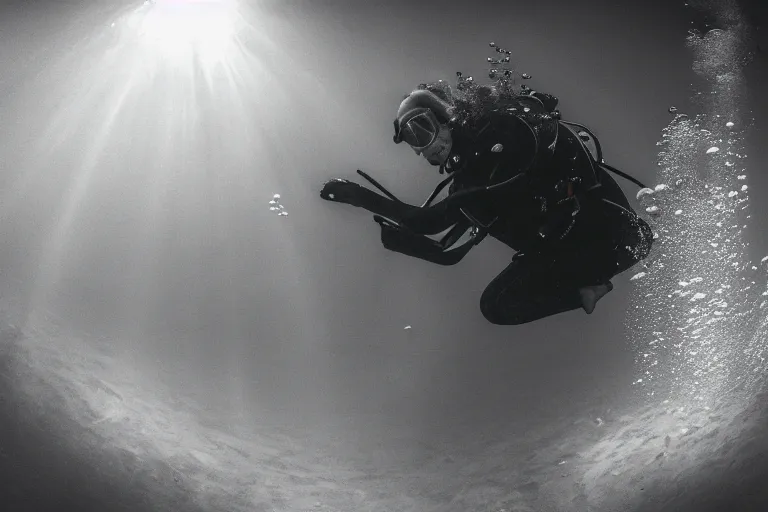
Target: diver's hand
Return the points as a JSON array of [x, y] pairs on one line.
[[387, 224], [394, 236], [342, 191]]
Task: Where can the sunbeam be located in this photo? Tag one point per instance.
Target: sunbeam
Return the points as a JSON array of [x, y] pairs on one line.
[[175, 28], [155, 102]]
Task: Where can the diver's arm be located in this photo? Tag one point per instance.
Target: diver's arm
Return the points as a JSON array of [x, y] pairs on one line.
[[449, 209], [397, 239], [424, 221], [504, 172]]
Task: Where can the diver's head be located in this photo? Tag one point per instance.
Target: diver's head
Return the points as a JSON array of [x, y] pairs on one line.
[[422, 122]]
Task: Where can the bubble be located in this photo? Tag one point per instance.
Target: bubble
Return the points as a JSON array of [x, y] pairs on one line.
[[644, 192], [672, 110], [713, 149], [729, 124], [492, 44], [526, 76], [678, 212], [279, 208]]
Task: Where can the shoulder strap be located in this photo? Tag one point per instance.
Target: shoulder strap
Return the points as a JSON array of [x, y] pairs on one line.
[[599, 160]]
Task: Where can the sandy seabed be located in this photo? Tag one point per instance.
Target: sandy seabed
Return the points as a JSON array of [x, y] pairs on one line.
[[83, 431]]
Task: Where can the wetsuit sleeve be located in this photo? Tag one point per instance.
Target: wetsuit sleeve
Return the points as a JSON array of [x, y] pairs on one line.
[[418, 246], [506, 150], [425, 221], [433, 219]]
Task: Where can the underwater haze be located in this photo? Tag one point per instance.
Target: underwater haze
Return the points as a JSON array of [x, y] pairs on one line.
[[186, 326]]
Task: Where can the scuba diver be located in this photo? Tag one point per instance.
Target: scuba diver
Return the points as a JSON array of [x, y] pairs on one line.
[[521, 175]]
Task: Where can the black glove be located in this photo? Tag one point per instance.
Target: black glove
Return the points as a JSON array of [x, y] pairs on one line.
[[388, 224], [394, 235], [398, 238], [342, 191]]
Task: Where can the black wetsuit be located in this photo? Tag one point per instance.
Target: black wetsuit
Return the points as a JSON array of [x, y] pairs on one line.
[[566, 217]]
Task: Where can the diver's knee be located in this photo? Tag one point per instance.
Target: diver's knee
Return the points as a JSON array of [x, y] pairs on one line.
[[497, 315], [488, 307], [495, 318]]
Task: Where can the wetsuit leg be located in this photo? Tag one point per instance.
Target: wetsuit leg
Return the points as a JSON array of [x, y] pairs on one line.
[[527, 290], [538, 285]]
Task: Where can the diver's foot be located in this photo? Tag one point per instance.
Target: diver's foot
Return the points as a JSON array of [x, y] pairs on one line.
[[591, 294]]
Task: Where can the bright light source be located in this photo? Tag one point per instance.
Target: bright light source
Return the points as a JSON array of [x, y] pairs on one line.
[[179, 26]]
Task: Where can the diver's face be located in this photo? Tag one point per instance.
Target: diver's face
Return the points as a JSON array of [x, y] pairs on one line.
[[437, 153]]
